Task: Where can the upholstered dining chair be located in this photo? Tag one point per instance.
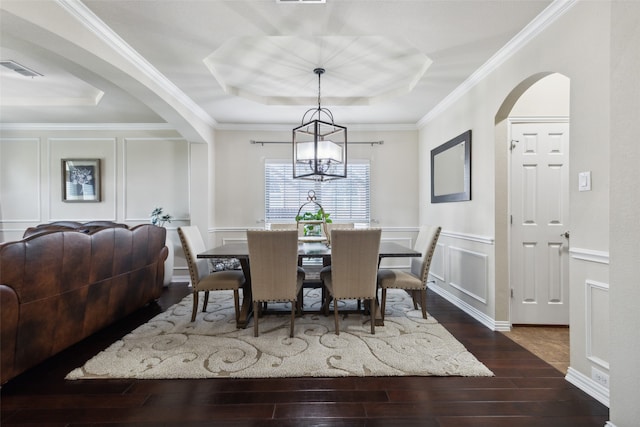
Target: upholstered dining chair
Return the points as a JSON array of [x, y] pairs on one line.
[[354, 265], [414, 281], [275, 276], [201, 278]]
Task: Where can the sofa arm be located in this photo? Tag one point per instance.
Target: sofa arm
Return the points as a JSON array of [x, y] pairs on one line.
[[9, 313]]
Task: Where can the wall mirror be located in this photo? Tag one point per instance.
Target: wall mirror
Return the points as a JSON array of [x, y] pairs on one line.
[[451, 170]]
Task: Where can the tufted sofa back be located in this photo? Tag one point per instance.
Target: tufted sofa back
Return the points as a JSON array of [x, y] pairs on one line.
[[58, 287]]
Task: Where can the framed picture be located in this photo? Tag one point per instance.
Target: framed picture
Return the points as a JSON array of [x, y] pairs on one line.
[[81, 180], [451, 170]]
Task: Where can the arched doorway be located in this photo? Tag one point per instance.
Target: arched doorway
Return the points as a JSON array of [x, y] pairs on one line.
[[532, 143]]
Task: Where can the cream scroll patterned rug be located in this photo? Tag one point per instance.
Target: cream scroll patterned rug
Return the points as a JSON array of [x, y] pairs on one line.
[[170, 346]]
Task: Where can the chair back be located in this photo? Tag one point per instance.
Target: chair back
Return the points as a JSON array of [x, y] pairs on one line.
[[192, 245], [426, 244], [273, 260], [354, 262], [338, 226], [283, 226]]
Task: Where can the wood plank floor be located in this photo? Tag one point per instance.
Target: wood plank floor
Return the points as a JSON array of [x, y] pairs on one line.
[[525, 391]]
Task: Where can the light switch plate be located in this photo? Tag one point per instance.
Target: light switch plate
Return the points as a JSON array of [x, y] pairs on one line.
[[584, 181]]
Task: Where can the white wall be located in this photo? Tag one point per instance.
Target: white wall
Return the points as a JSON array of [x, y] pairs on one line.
[[577, 46], [625, 213], [139, 171], [239, 180]]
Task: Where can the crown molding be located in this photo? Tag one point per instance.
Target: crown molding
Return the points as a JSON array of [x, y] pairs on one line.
[[85, 126], [359, 127], [554, 11], [94, 24]]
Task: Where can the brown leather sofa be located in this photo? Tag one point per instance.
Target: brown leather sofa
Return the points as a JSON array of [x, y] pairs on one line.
[[62, 284]]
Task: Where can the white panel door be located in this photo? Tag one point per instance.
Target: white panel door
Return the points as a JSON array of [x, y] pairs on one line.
[[539, 223]]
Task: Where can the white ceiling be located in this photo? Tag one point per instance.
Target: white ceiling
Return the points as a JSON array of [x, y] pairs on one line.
[[251, 61]]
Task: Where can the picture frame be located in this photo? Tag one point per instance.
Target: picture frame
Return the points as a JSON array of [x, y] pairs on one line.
[[81, 180], [451, 170]]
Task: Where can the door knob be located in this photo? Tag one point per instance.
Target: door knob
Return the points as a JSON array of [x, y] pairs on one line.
[[565, 234]]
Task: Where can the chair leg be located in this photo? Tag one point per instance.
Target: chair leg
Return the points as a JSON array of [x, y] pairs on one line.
[[205, 301], [300, 302], [255, 318], [236, 303], [325, 304], [335, 315], [415, 300], [372, 306], [383, 306], [195, 306], [293, 317], [423, 302]]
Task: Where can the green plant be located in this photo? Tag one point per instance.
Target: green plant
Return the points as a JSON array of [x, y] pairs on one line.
[[313, 229], [159, 218]]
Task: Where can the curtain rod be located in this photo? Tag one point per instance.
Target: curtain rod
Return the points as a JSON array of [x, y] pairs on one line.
[[372, 143]]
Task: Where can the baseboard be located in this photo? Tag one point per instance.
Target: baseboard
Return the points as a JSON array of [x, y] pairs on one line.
[[470, 310], [589, 386], [180, 279]]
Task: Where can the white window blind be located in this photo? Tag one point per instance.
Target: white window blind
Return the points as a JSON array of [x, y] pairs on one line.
[[346, 199]]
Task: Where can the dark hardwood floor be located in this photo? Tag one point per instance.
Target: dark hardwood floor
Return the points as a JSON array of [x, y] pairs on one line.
[[524, 392]]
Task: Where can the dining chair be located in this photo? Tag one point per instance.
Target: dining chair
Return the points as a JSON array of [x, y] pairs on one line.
[[283, 226], [275, 276], [352, 274], [201, 278], [415, 280]]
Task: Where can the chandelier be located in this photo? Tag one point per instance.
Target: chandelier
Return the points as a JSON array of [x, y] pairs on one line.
[[319, 145]]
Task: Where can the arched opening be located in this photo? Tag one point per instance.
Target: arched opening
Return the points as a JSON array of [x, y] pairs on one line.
[[535, 109]]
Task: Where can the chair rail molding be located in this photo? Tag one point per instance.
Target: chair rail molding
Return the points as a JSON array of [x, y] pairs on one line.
[[591, 255], [487, 240]]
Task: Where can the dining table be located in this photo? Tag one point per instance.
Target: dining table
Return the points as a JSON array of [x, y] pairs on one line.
[[240, 251]]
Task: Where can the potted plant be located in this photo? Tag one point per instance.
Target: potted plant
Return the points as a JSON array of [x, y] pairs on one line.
[[314, 229], [159, 218]]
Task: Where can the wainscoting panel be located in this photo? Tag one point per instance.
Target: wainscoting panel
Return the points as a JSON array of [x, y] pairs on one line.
[[20, 180], [104, 149], [597, 327], [437, 269], [468, 272], [168, 175], [401, 263]]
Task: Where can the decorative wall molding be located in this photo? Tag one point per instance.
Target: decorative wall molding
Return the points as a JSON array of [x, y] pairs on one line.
[[114, 142], [38, 171], [590, 286], [86, 17], [538, 119], [554, 11], [588, 385], [357, 127], [86, 126], [470, 310], [487, 240], [464, 279], [589, 255], [438, 266], [125, 187]]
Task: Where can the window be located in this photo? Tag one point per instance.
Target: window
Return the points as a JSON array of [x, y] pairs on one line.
[[347, 200]]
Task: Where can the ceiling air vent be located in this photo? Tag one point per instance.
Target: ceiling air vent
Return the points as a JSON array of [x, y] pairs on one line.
[[20, 69], [301, 1]]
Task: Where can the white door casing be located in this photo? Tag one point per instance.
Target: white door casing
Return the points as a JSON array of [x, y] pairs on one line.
[[539, 191]]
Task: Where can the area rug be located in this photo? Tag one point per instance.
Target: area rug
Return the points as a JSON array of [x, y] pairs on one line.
[[171, 346]]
